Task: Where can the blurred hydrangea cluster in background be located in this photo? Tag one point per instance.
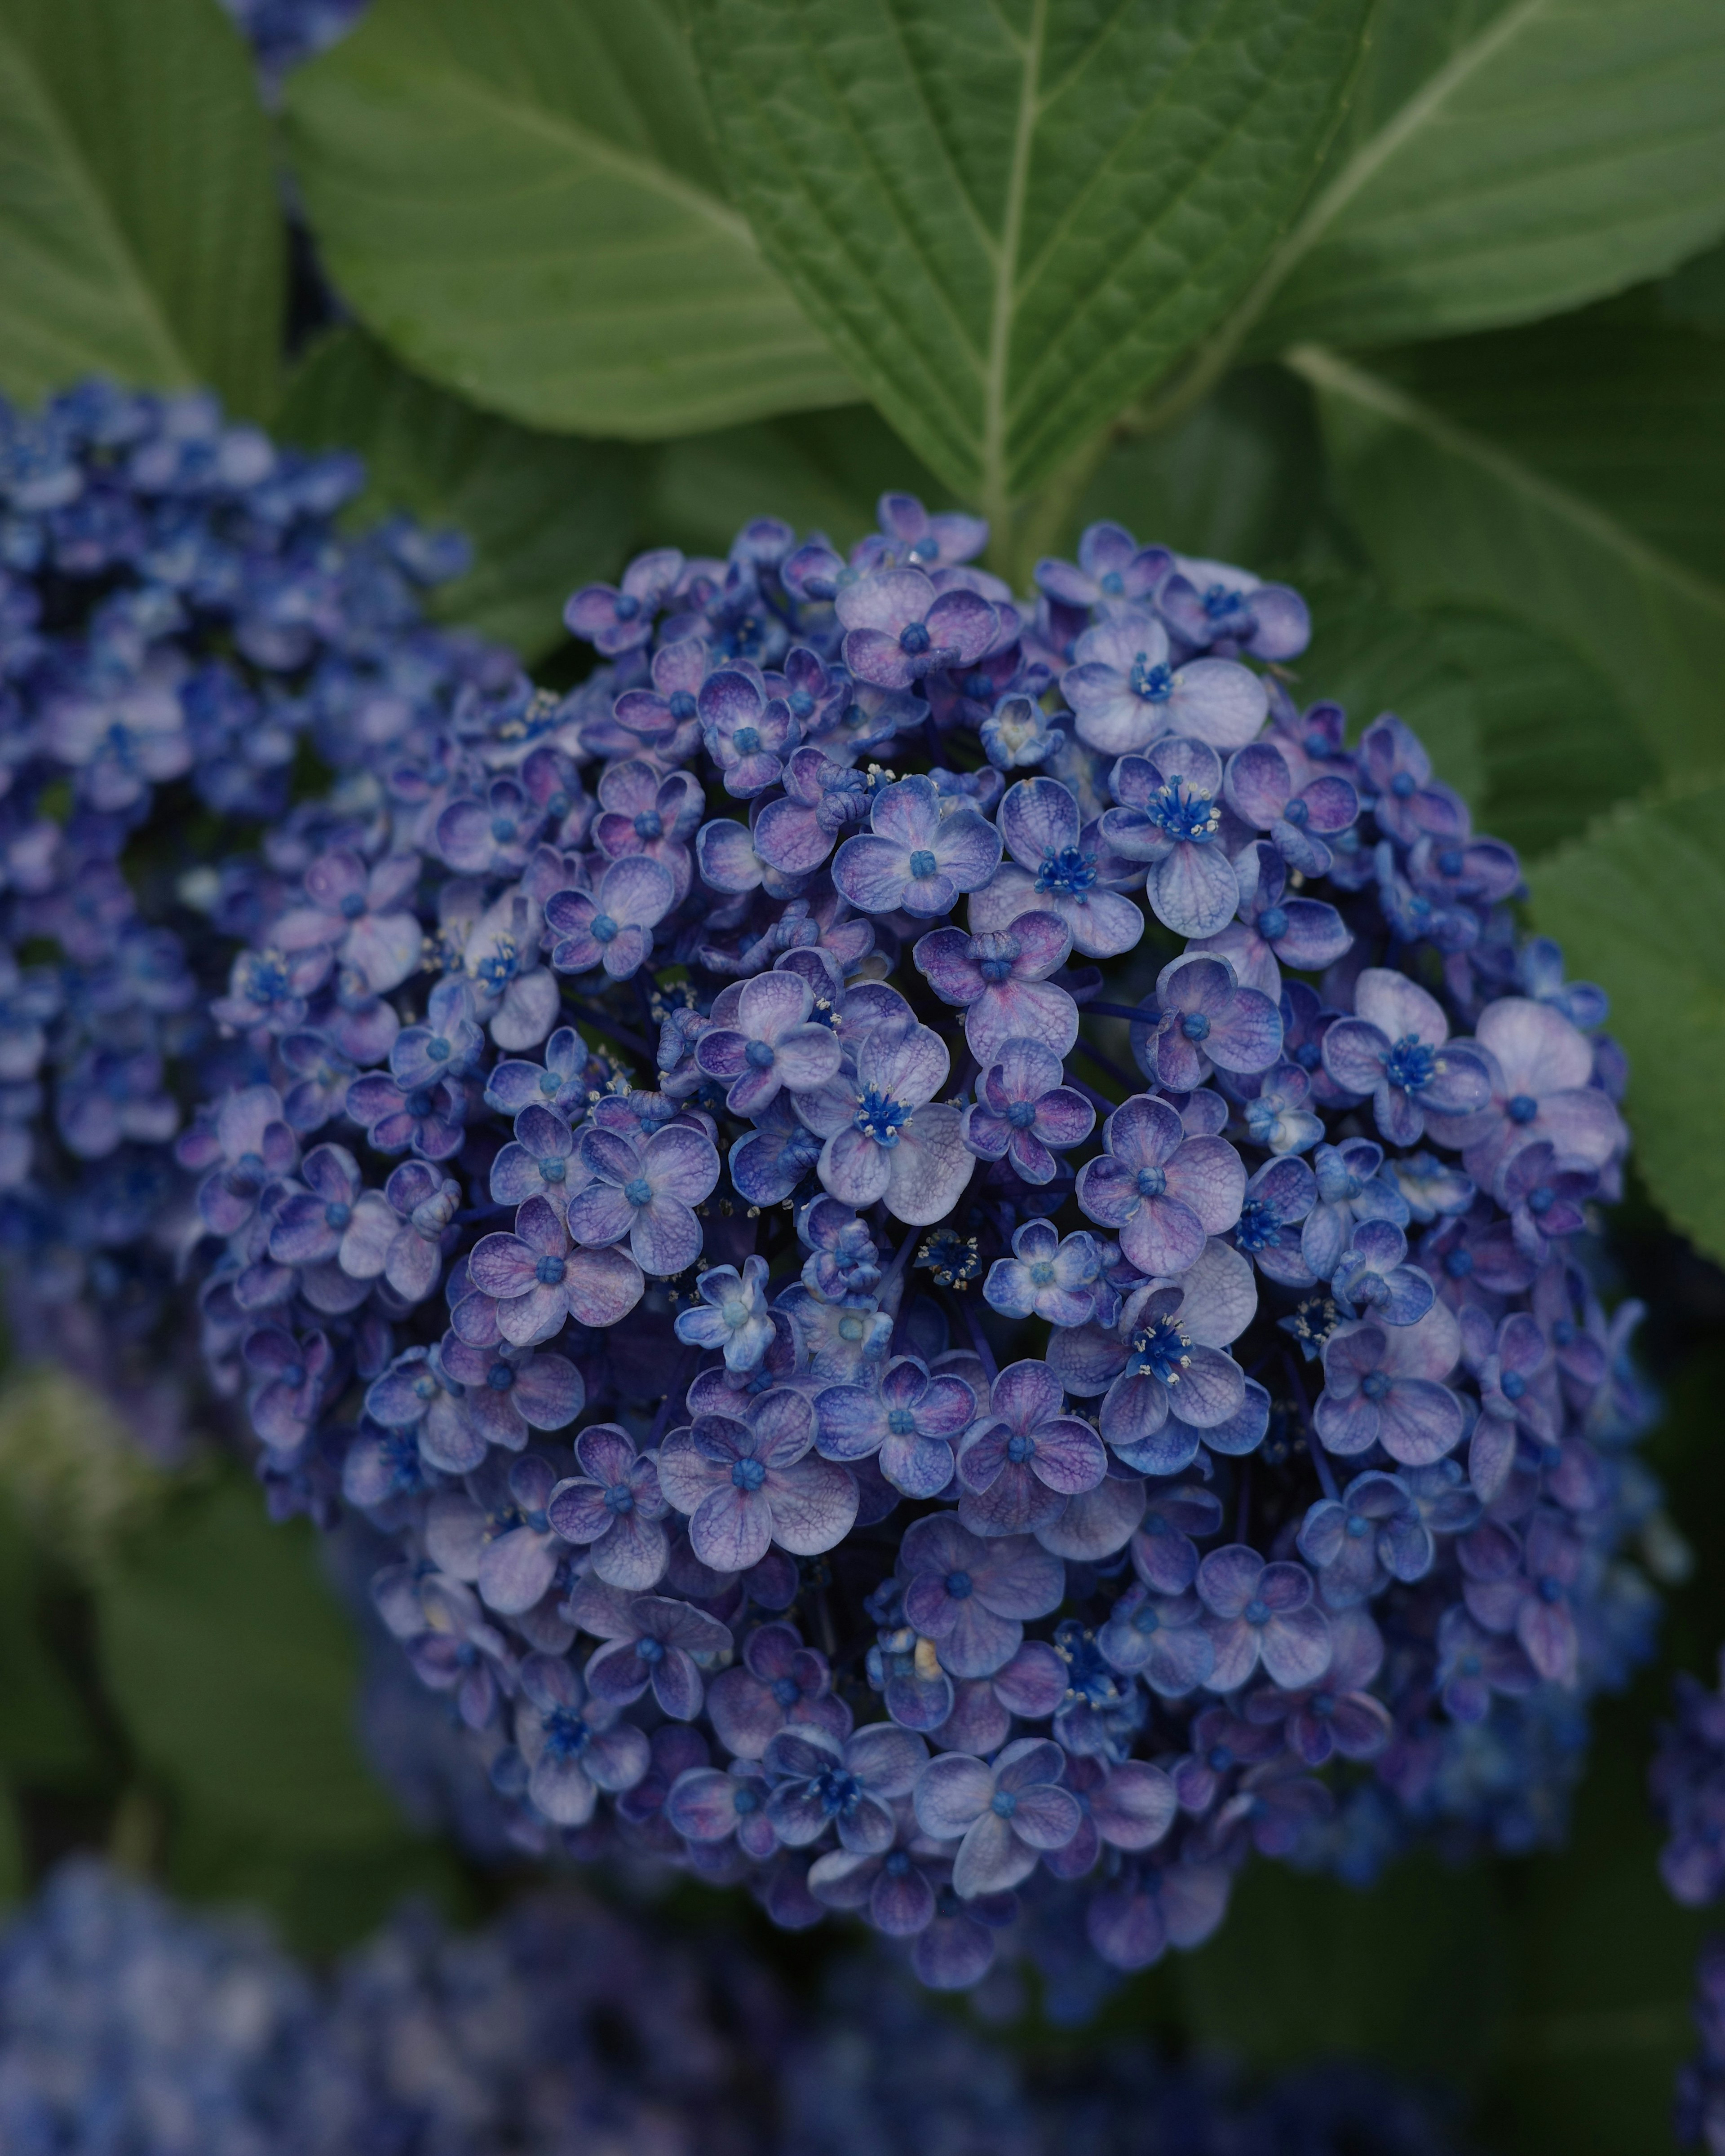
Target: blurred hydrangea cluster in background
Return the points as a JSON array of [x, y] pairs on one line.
[[179, 621], [831, 1442], [564, 2027]]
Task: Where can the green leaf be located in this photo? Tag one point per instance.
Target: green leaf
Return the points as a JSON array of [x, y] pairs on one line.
[[234, 1672], [13, 1877], [139, 237], [1562, 497], [819, 471], [1508, 159], [1695, 295], [544, 513], [1012, 216], [1480, 691], [1636, 906], [45, 1735], [523, 203]]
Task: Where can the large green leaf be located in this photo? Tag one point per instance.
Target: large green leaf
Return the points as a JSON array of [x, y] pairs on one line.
[[522, 201], [45, 1734], [819, 471], [1561, 497], [234, 1673], [1012, 216], [1507, 159], [1637, 906], [544, 513], [1531, 736], [139, 237]]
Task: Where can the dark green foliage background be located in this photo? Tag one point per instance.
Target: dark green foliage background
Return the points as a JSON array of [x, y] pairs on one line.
[[1420, 303]]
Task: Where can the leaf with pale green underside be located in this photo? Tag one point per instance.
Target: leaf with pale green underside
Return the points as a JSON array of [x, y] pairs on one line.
[[544, 513], [523, 203], [233, 1671], [139, 237], [1636, 906], [1505, 160], [1584, 499], [1011, 216]]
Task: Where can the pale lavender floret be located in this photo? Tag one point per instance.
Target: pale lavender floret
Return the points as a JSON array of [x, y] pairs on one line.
[[822, 799], [748, 734], [1278, 1107], [844, 1259], [899, 628], [447, 1045], [1545, 1200], [395, 1235], [745, 1486], [732, 1316], [779, 1682], [1371, 1278], [908, 1425], [1164, 1193], [1375, 1528], [614, 1507], [1024, 1113], [614, 620], [1474, 1664], [1113, 572], [707, 1807], [972, 1596], [1007, 1813], [839, 1342], [1351, 1188], [1278, 1198], [107, 1097], [768, 1163], [1529, 1592], [1338, 1717], [1169, 817], [762, 1038], [573, 1745], [491, 835], [254, 1146], [1406, 801], [121, 742], [1396, 1051], [664, 715], [651, 1641], [894, 1142], [1175, 1385], [1261, 1613], [1021, 1463], [1018, 734], [1202, 1017], [910, 533], [613, 929], [360, 914], [323, 1071], [1211, 603], [1126, 693], [539, 1162], [1273, 930], [1000, 981], [417, 1394], [511, 1391], [271, 988], [1161, 1638], [1260, 788], [1539, 1087], [848, 1784], [1059, 865], [1047, 1275], [1383, 1385], [917, 855], [538, 1279], [1539, 968], [289, 1376], [646, 1192], [643, 811]]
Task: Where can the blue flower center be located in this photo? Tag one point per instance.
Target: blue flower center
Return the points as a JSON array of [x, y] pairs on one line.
[[1222, 604], [1187, 813], [746, 1800], [801, 703], [336, 1215], [1163, 1349], [1551, 1589], [786, 1692], [839, 1793], [604, 928], [650, 1651], [549, 1083], [1521, 1108], [1152, 684], [553, 1171], [683, 706], [1068, 868], [619, 1498], [746, 740], [1259, 1225], [1272, 923], [503, 828], [1021, 1114], [1042, 1273], [1357, 1526], [420, 1102], [1512, 1384], [914, 639], [567, 1736], [1256, 1612], [1195, 1026], [923, 863], [748, 1475], [1374, 1385], [500, 1377], [880, 1118], [959, 1584], [1410, 1065], [759, 1054], [549, 1271], [995, 970], [649, 825], [1019, 1449], [901, 1423], [1151, 1182], [352, 906], [1458, 1263], [1146, 1619], [1298, 814], [638, 1190], [438, 1049], [897, 1864], [1002, 1804], [1403, 785], [1541, 1200], [625, 606]]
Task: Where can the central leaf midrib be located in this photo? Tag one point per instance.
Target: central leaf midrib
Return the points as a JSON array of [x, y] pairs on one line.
[[86, 189], [1002, 314]]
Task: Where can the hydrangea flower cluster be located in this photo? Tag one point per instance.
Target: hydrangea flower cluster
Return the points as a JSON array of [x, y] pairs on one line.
[[832, 1442], [563, 2029], [1686, 1783], [179, 622]]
